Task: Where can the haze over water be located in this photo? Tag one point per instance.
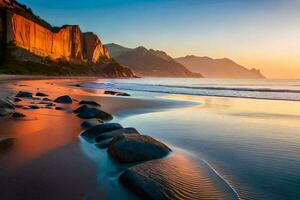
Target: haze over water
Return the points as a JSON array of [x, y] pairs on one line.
[[252, 142]]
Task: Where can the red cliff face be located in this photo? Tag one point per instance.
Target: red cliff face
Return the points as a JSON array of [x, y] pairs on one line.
[[63, 44], [27, 38]]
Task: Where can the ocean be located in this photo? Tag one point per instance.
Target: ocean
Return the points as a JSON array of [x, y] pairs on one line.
[[248, 131]]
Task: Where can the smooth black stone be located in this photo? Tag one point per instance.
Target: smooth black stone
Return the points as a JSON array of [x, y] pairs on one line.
[[131, 148], [64, 99], [33, 107], [80, 109], [116, 93], [90, 123], [94, 131], [90, 113], [18, 115], [40, 94], [104, 143], [116, 133], [24, 94]]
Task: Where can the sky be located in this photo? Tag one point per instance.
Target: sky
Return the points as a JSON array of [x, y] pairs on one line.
[[262, 34]]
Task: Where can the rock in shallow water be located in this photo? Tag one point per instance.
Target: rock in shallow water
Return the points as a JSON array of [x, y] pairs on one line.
[[116, 93], [130, 148], [64, 99], [94, 131], [90, 113], [116, 133], [90, 123]]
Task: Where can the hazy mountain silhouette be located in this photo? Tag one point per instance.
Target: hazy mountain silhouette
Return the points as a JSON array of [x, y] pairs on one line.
[[150, 62], [218, 68]]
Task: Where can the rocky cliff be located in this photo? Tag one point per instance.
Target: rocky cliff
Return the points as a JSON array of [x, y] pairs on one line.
[[27, 38], [149, 62], [218, 68]]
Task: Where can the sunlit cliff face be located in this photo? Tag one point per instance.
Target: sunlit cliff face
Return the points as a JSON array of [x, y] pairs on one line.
[[67, 43]]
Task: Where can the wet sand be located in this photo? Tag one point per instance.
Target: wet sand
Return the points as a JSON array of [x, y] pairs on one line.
[[48, 159]]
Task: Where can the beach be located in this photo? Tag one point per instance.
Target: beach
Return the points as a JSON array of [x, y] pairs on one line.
[[209, 137]]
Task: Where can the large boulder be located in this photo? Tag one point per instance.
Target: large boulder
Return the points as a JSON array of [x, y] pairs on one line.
[[92, 103], [116, 133], [64, 99], [90, 113], [97, 130], [23, 94], [6, 107], [130, 148]]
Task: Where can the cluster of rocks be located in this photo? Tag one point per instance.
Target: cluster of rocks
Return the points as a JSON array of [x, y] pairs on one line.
[[123, 144], [126, 145]]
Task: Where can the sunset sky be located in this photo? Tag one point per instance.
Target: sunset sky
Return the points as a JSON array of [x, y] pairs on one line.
[[264, 34]]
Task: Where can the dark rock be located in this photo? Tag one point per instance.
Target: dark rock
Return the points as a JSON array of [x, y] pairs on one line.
[[40, 94], [94, 131], [104, 143], [80, 109], [46, 99], [6, 142], [23, 94], [17, 99], [92, 103], [115, 133], [110, 92], [33, 107], [90, 123], [123, 94], [90, 113], [18, 115], [129, 148], [60, 108], [64, 99], [116, 93]]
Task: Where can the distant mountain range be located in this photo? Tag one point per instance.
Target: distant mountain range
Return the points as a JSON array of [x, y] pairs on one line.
[[218, 68], [149, 62]]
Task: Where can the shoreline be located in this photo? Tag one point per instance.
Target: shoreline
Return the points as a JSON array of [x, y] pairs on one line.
[[18, 166]]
